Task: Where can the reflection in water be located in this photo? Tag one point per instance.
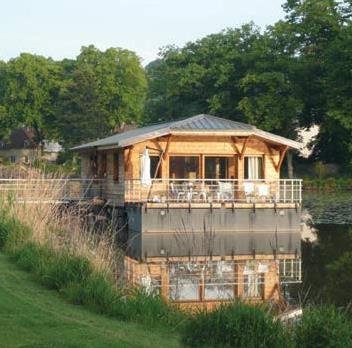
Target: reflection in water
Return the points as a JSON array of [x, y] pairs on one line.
[[332, 241], [326, 236]]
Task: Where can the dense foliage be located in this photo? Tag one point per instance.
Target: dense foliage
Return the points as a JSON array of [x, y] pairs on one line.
[[295, 73], [235, 325], [324, 327], [73, 100]]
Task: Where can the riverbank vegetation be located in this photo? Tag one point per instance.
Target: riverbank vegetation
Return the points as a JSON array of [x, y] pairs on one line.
[[66, 256]]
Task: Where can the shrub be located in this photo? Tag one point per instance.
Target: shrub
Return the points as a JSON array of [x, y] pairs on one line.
[[96, 292], [151, 309], [323, 327], [339, 279], [330, 184], [63, 269], [235, 325], [12, 233]]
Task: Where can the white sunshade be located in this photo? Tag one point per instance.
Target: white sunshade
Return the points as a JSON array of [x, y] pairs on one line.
[[145, 169]]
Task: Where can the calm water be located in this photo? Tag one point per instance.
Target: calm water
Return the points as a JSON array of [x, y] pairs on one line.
[[326, 235], [329, 208]]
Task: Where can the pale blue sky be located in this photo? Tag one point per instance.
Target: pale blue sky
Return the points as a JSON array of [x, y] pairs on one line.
[[59, 28]]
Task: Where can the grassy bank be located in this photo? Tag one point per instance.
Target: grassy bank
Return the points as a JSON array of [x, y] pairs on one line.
[[81, 281], [34, 317]]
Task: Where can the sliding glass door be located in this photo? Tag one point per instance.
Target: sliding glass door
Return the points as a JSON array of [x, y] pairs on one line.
[[184, 167], [216, 167]]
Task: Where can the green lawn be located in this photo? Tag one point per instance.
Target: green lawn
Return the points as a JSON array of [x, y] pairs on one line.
[[33, 317]]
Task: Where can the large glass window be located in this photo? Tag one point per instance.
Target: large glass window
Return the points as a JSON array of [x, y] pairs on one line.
[[216, 167], [253, 167], [184, 282], [116, 166], [220, 281], [184, 167]]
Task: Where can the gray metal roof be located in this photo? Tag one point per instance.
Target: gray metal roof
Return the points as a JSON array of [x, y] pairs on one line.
[[199, 123]]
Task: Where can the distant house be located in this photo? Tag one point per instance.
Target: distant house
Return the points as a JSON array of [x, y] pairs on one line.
[[21, 148]]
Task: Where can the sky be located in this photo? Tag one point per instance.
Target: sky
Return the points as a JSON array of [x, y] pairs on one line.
[[59, 28]]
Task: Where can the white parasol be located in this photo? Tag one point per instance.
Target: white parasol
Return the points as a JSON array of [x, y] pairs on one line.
[[145, 169]]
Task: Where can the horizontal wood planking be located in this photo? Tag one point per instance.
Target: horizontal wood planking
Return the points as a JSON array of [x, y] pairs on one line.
[[129, 163]]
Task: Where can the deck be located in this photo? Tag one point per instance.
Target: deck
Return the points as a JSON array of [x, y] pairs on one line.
[[158, 192]]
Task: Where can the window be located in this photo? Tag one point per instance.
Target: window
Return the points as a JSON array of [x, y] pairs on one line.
[[154, 161], [253, 281], [184, 167], [253, 167], [290, 270], [103, 165], [13, 159], [220, 281], [93, 165], [184, 282], [116, 167], [216, 167]]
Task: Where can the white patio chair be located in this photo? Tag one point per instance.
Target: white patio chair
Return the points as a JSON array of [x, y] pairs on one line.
[[176, 193], [225, 192], [248, 188], [263, 191]]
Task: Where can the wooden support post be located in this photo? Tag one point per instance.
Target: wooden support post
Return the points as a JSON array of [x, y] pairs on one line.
[[244, 147], [166, 151], [234, 143], [282, 156], [162, 157]]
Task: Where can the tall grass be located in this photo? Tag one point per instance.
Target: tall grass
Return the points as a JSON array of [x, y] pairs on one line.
[[67, 254], [236, 325]]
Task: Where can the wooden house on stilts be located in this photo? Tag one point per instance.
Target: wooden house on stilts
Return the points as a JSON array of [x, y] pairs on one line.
[[208, 217]]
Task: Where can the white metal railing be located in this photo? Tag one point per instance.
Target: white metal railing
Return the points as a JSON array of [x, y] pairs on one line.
[[50, 190], [210, 190], [159, 190]]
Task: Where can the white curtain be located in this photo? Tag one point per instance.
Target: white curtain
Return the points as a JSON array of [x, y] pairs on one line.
[[253, 168], [145, 169]]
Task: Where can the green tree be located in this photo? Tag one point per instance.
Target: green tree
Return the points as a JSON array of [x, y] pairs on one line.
[[29, 89], [334, 141], [203, 76], [103, 91]]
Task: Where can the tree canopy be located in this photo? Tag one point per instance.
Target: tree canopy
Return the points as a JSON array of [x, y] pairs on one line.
[[293, 74]]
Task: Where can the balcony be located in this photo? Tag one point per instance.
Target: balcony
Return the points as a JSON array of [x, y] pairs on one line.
[[200, 191], [180, 192]]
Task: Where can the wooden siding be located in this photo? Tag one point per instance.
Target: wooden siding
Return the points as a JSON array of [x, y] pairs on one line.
[[234, 147], [197, 145]]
